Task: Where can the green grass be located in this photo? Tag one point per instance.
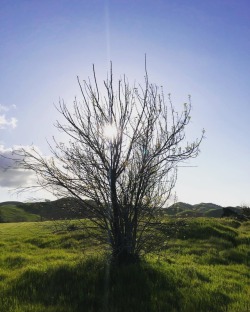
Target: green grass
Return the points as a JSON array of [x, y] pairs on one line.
[[12, 213], [204, 266]]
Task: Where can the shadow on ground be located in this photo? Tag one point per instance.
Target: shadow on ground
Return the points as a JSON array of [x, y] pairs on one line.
[[94, 285]]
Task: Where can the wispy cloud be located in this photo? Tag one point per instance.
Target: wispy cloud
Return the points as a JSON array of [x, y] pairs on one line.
[[4, 108], [5, 121]]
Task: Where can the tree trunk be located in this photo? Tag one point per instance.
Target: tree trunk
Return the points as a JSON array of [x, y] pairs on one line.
[[122, 255]]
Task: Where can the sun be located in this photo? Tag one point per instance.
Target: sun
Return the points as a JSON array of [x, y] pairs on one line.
[[110, 131]]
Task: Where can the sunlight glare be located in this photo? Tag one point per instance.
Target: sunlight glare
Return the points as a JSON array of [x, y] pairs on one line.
[[110, 131]]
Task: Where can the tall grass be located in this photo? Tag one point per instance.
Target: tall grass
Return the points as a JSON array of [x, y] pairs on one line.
[[203, 267]]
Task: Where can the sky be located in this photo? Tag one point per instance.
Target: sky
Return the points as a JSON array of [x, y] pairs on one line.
[[194, 47]]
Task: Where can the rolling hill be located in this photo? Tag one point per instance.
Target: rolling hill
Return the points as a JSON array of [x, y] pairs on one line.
[[69, 208], [181, 209], [65, 208]]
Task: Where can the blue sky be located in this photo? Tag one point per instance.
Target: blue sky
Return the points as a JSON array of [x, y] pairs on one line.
[[193, 47]]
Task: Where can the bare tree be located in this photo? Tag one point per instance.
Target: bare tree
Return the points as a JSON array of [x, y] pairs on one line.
[[121, 159]]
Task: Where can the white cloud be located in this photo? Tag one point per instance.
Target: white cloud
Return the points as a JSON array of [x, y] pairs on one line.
[[4, 122], [19, 182], [14, 178]]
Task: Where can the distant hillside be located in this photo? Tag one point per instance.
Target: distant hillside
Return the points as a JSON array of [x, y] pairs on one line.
[[8, 203], [70, 208], [65, 208], [199, 210], [178, 208], [13, 213]]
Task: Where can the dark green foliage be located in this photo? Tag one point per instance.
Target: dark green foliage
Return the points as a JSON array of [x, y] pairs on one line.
[[1, 216], [246, 212], [213, 213]]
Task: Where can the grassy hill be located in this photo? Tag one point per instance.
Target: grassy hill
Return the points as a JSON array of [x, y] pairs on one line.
[[65, 208], [203, 266], [13, 212], [69, 208], [199, 210]]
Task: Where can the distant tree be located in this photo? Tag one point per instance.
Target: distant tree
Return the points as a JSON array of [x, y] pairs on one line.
[[246, 211], [122, 153]]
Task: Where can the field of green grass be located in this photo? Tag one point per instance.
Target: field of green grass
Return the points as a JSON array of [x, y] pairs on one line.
[[203, 266]]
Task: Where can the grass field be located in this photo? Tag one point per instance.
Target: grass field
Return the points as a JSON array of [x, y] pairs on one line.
[[204, 266]]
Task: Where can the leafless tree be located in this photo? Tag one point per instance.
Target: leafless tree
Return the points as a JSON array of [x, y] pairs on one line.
[[121, 159]]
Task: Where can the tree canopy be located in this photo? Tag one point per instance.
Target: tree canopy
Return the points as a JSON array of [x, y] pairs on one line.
[[120, 161]]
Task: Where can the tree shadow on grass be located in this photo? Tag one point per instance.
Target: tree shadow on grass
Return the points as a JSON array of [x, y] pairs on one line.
[[94, 285]]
